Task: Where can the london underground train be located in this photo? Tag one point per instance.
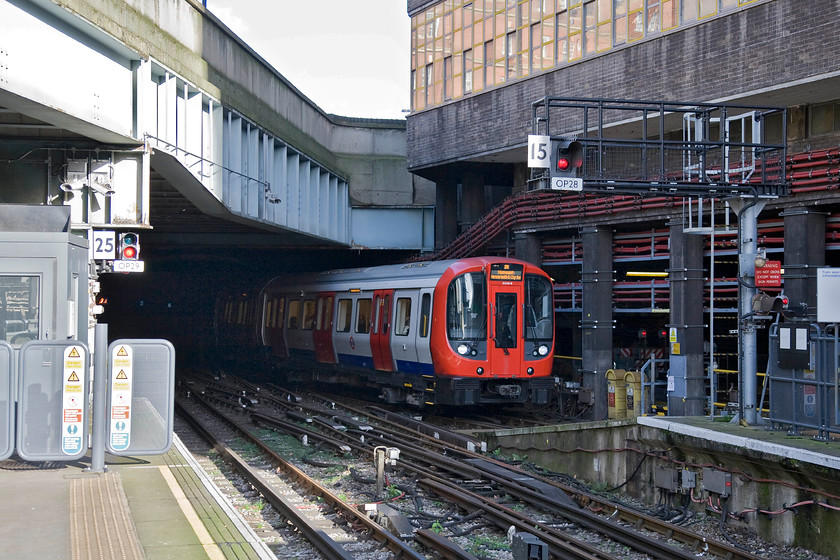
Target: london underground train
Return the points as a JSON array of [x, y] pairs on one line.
[[459, 332]]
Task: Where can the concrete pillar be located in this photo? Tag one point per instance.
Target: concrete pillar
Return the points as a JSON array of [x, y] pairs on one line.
[[686, 353], [472, 203], [804, 252], [446, 217], [528, 248], [596, 316]]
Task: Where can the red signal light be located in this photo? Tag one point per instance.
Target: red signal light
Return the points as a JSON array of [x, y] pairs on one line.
[[129, 253], [563, 164]]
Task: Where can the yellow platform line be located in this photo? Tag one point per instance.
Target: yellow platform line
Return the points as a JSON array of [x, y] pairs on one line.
[[210, 547]]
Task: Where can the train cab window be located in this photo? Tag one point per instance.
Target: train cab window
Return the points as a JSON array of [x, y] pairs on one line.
[[308, 314], [539, 308], [466, 307], [363, 316], [402, 323], [425, 314], [345, 315], [294, 315]]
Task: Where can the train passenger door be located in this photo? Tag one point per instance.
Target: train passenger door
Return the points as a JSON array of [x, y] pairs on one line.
[[424, 329], [404, 335], [322, 330], [380, 334], [506, 348]]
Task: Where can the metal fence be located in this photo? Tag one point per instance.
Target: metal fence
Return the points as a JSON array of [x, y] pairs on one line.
[[803, 377]]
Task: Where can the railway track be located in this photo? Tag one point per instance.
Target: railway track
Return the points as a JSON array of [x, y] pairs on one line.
[[326, 529], [456, 472]]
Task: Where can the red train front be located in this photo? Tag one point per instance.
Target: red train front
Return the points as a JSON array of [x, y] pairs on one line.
[[463, 332], [494, 342]]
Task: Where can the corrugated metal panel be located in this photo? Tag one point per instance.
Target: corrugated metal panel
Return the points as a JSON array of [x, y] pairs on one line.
[[255, 174]]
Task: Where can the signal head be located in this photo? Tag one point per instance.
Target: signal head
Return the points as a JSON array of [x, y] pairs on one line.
[[567, 158], [129, 246]]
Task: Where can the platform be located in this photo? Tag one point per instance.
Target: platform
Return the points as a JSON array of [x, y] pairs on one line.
[[759, 438], [160, 507]]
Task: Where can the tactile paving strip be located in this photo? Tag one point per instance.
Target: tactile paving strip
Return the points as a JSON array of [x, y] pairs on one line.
[[101, 527]]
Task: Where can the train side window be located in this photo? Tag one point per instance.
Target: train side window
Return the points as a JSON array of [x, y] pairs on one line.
[[363, 316], [308, 314], [294, 314], [325, 306], [279, 311], [269, 310], [274, 311], [345, 315], [402, 324], [425, 314], [319, 314]]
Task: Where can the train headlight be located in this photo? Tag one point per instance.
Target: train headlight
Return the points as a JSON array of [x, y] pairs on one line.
[[463, 349], [530, 371], [479, 370], [543, 350]]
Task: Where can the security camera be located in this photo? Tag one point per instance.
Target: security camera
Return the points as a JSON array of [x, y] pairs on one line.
[[104, 190], [70, 187]]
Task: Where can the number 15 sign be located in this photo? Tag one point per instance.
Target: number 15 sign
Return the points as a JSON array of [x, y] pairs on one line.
[[538, 151]]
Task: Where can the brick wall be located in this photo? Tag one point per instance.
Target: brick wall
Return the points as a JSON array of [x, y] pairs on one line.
[[760, 47]]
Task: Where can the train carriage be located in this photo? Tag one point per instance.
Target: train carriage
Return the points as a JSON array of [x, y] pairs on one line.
[[461, 332]]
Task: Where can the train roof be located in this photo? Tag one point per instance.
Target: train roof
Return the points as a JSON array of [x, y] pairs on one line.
[[416, 273]]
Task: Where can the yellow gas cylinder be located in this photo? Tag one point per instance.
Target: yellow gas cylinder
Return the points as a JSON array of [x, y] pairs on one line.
[[616, 394], [633, 390]]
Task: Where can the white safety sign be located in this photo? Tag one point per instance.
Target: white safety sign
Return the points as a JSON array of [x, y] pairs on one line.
[[538, 151], [103, 245], [120, 386], [72, 400]]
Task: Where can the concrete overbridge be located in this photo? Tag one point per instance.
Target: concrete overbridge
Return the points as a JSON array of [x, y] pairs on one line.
[[156, 117]]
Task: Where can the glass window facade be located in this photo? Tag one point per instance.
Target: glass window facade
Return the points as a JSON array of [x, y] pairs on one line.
[[461, 47], [20, 309]]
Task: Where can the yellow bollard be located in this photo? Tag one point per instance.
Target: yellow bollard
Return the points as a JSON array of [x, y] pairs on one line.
[[616, 394], [633, 385]]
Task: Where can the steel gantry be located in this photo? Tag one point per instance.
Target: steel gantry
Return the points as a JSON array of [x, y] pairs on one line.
[[697, 151]]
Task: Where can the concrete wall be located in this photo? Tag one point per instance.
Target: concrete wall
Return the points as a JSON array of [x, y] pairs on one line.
[[750, 50], [606, 454], [187, 38]]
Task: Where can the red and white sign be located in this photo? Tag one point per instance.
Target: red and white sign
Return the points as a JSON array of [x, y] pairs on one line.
[[769, 275]]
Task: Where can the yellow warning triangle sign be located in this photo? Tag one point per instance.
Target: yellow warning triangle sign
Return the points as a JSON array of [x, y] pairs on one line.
[[73, 377], [74, 353], [122, 375], [122, 351]]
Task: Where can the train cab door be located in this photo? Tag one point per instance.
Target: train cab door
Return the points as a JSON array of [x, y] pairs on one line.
[[322, 330], [506, 348], [380, 334]]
